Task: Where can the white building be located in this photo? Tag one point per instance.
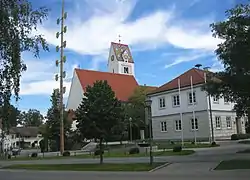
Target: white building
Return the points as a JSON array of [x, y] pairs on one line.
[[168, 106], [29, 136]]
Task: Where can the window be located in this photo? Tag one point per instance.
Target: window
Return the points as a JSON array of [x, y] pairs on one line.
[[226, 101], [229, 122], [178, 125], [217, 122], [216, 99], [194, 124], [176, 100], [164, 126], [126, 70], [162, 102], [191, 99]]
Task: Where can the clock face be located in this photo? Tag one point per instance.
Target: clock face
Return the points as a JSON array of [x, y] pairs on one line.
[[125, 55], [112, 58]]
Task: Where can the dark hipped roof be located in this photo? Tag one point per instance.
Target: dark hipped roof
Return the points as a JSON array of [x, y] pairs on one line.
[[197, 78], [25, 131]]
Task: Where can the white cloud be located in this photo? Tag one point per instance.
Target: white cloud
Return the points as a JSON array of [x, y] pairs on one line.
[[186, 57], [217, 66], [40, 77], [92, 36]]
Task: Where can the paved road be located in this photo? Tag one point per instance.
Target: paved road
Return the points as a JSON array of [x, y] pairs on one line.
[[193, 167], [35, 175]]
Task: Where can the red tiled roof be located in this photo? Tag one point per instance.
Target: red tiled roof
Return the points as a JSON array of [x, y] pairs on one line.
[[122, 85], [197, 77]]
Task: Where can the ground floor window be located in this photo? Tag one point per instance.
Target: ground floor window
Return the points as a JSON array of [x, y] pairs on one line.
[[178, 125], [194, 124], [163, 126]]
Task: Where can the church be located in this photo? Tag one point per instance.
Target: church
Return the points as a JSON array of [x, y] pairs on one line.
[[120, 76]]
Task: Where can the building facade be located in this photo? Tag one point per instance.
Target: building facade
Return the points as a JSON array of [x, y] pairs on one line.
[[185, 111]]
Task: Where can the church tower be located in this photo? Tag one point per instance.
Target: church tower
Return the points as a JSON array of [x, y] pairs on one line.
[[120, 60]]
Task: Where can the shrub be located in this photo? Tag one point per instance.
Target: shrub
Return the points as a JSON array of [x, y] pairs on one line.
[[177, 149], [234, 137], [134, 150], [66, 153], [9, 156], [98, 152], [34, 155], [240, 136], [213, 144]]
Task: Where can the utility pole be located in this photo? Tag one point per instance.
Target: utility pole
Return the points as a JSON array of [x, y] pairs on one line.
[[62, 73]]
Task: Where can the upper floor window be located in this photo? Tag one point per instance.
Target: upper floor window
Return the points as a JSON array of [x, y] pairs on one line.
[[162, 102], [126, 70], [163, 126], [216, 99], [228, 122], [217, 122], [194, 124], [191, 98], [176, 100]]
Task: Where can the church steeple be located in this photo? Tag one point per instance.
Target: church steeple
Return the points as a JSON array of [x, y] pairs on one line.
[[120, 59]]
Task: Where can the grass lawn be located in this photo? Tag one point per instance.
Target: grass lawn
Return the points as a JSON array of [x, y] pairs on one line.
[[110, 155], [168, 145], [86, 167], [233, 164]]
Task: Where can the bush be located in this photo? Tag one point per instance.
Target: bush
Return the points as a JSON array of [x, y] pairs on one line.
[[240, 136], [98, 152], [9, 156], [66, 153], [134, 150], [34, 155], [213, 144], [177, 149]]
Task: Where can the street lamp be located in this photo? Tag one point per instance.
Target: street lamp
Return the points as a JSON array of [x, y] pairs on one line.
[[62, 73], [148, 103], [130, 129]]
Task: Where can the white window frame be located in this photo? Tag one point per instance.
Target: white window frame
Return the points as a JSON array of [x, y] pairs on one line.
[[162, 102], [164, 126], [194, 124], [190, 100], [216, 99], [176, 100], [178, 125], [218, 122], [229, 122]]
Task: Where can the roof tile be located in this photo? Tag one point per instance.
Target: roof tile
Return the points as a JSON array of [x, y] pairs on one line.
[[122, 85], [197, 77]]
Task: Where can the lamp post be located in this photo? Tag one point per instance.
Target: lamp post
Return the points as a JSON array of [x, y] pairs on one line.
[[62, 73], [210, 107], [148, 103], [130, 129]]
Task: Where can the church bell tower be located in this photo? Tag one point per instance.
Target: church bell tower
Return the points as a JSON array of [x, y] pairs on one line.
[[120, 60]]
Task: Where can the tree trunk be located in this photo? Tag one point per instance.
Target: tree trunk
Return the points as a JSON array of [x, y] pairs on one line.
[[101, 151]]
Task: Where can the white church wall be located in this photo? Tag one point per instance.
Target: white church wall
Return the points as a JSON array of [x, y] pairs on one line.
[[76, 93]]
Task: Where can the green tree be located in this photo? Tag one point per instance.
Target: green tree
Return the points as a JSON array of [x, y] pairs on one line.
[[99, 113], [53, 123], [14, 114], [18, 22], [135, 109], [32, 117], [234, 52]]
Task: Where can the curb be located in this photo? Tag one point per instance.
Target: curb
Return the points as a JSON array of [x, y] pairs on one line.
[[159, 167], [213, 168]]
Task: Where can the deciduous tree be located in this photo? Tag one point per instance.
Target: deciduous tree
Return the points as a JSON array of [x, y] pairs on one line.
[[234, 52]]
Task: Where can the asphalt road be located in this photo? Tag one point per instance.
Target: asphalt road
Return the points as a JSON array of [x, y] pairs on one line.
[[193, 167], [35, 175]]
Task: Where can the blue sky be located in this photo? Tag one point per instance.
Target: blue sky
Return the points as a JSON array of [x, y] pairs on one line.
[[166, 37]]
